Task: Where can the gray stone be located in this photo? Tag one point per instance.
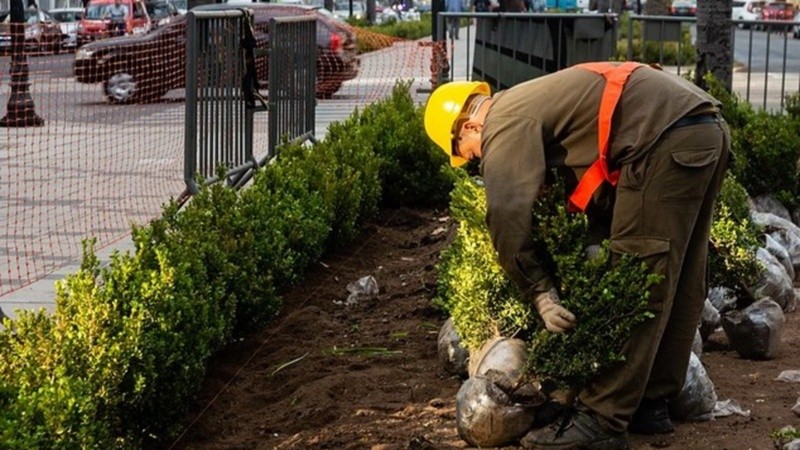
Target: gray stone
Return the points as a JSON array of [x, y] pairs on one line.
[[709, 321], [487, 417], [796, 408], [722, 298], [793, 445], [796, 216], [697, 398], [780, 253], [785, 233], [451, 354], [773, 282], [768, 204], [755, 332]]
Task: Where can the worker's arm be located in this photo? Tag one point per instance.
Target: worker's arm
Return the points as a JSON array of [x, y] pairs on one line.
[[514, 168]]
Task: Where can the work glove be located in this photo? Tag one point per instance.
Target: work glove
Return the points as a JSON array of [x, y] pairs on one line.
[[556, 318]]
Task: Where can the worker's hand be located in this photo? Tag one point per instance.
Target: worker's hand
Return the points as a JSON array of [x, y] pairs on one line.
[[556, 318]]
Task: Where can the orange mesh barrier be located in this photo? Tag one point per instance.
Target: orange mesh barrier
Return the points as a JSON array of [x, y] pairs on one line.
[[110, 150]]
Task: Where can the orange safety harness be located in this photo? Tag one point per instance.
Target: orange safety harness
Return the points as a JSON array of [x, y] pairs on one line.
[[616, 77]]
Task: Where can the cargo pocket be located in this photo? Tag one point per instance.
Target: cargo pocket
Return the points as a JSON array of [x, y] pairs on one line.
[[654, 252], [690, 172]]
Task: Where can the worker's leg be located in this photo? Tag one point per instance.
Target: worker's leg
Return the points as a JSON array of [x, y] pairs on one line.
[[669, 369], [658, 205]]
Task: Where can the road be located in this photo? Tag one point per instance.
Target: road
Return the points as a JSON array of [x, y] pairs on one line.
[[760, 41], [47, 71]]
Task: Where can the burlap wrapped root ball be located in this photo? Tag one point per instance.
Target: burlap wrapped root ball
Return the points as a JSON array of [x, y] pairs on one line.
[[497, 405]]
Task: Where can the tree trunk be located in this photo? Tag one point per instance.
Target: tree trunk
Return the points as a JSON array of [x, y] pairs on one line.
[[714, 42]]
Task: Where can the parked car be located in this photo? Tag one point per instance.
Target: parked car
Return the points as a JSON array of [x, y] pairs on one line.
[[341, 9], [778, 11], [747, 10], [42, 33], [144, 67], [161, 12], [68, 19], [796, 30], [95, 25], [683, 8]]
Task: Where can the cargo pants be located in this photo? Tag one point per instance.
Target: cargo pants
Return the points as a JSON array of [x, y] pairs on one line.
[[663, 212]]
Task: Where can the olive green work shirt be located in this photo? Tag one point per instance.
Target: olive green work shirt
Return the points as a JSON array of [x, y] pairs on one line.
[[551, 122]]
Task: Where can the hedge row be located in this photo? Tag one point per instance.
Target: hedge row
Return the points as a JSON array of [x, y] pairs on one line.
[[766, 145], [117, 363], [668, 54]]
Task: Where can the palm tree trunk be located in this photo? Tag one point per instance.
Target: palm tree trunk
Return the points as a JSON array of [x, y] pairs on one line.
[[714, 53]]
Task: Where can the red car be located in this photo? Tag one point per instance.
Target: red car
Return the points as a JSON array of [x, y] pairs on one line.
[[95, 24], [778, 11]]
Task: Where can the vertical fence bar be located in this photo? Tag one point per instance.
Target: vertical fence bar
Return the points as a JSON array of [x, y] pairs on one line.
[[783, 69], [190, 127], [630, 38], [749, 61], [766, 66]]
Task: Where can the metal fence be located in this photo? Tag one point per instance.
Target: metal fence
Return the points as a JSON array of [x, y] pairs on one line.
[[507, 48], [292, 79], [513, 47], [766, 60], [226, 68]]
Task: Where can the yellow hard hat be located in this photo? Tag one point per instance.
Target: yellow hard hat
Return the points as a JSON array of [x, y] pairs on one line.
[[443, 108]]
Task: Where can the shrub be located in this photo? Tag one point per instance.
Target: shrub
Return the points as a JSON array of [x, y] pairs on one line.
[[654, 52], [732, 262], [376, 37], [736, 111], [95, 374], [411, 167], [607, 301], [472, 286], [793, 106], [767, 149]]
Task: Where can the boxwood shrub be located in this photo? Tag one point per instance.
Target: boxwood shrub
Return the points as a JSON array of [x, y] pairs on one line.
[[483, 303], [118, 362]]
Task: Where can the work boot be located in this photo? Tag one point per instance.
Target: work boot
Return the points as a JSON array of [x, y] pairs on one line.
[[580, 431], [651, 417]]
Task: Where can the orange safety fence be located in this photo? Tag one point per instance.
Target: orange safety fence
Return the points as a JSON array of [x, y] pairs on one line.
[[109, 151]]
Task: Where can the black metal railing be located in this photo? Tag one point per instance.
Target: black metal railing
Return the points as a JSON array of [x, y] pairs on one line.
[[233, 73]]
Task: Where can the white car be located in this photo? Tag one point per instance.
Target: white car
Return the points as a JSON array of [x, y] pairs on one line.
[[341, 9], [747, 10], [68, 19], [796, 31]]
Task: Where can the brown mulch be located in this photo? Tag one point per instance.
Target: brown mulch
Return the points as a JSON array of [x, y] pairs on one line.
[[366, 376]]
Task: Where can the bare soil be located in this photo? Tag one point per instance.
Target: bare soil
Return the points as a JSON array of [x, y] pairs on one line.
[[367, 376]]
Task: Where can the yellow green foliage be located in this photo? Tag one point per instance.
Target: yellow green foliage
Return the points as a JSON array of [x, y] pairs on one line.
[[483, 302]]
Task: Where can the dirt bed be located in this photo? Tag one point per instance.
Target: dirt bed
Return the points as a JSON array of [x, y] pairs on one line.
[[366, 376]]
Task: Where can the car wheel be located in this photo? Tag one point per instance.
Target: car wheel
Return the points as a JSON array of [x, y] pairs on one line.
[[121, 88], [326, 88]]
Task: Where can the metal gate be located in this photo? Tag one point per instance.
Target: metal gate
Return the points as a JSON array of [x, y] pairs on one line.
[[230, 65]]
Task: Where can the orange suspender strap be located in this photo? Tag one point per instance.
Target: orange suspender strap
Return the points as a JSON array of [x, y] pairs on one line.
[[616, 77]]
